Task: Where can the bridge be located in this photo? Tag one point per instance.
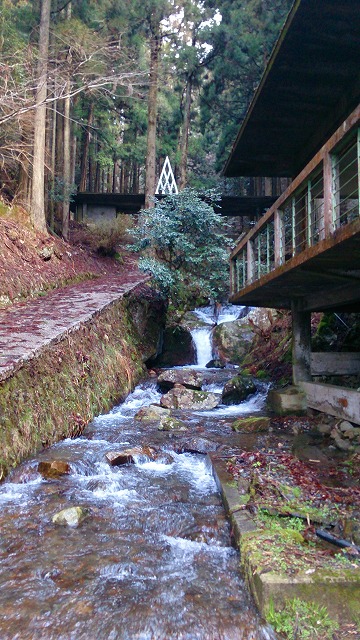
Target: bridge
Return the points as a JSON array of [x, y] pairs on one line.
[[304, 253], [90, 206]]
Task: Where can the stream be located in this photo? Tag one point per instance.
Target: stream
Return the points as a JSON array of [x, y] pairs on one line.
[[153, 559]]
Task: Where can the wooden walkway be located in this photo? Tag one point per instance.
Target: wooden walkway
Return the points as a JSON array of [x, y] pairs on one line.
[[307, 246]]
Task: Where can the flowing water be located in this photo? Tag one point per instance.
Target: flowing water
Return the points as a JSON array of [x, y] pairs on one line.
[[210, 316], [153, 559]]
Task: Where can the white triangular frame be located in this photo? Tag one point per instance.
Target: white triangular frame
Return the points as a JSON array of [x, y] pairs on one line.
[[166, 182]]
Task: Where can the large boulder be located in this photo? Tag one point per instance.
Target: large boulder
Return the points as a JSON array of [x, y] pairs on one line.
[[232, 341], [182, 398], [187, 377], [238, 389], [178, 348]]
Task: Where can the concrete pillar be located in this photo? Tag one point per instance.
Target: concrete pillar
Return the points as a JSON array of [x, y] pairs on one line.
[[301, 343]]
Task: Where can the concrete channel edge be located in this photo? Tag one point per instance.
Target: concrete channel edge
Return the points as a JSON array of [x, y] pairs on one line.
[[338, 590]]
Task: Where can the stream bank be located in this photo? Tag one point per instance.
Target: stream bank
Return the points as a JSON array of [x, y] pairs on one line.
[[68, 372]]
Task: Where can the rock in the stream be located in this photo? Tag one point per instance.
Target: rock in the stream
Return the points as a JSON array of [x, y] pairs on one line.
[[216, 363], [169, 423], [232, 341], [199, 445], [238, 389], [128, 456], [152, 413], [182, 398], [71, 517], [187, 377], [53, 468], [254, 424]]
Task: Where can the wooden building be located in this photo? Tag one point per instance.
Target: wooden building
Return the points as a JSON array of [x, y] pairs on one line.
[[304, 253]]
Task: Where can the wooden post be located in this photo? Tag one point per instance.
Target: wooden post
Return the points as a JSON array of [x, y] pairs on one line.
[[233, 278], [336, 198], [279, 239], [250, 261], [301, 343]]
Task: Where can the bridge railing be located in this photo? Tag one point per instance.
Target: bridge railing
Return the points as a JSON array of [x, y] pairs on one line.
[[323, 198]]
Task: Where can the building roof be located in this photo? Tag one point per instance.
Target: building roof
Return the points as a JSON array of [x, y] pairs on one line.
[[311, 84]]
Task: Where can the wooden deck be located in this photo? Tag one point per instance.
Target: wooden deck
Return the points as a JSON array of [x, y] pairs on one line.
[[306, 248]]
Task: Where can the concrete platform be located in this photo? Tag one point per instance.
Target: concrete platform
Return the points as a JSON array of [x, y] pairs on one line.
[[338, 590]]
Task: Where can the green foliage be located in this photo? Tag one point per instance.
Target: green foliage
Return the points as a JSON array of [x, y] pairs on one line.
[[302, 620], [184, 247]]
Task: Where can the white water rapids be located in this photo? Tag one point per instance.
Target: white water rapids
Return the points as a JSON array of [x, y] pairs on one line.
[[152, 561]]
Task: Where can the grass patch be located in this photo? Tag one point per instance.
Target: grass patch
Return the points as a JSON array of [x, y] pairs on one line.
[[300, 620]]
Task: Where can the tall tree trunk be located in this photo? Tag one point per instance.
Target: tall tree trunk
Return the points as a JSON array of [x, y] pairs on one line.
[[185, 135], [85, 150], [67, 151], [37, 194], [150, 165], [66, 167]]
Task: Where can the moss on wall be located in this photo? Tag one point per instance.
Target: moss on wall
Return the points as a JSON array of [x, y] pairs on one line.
[[55, 394]]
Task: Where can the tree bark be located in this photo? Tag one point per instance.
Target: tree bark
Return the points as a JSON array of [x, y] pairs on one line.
[[66, 168], [86, 147], [37, 214], [185, 135], [150, 165]]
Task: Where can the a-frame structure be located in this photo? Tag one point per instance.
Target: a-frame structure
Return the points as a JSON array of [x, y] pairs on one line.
[[167, 183]]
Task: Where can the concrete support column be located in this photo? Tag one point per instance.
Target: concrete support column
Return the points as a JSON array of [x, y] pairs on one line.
[[301, 343]]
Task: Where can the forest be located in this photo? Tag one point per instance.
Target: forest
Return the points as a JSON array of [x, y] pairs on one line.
[[94, 94]]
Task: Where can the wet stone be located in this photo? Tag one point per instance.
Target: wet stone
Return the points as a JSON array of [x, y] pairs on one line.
[[251, 425], [168, 423], [189, 378], [199, 445], [182, 398], [151, 413], [53, 468], [128, 456], [70, 517], [238, 389]]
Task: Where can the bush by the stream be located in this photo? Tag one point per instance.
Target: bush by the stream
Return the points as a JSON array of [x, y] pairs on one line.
[[183, 245]]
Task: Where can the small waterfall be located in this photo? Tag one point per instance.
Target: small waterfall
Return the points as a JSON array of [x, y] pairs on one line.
[[202, 336], [203, 344]]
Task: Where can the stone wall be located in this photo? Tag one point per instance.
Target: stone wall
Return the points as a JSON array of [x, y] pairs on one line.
[[79, 375]]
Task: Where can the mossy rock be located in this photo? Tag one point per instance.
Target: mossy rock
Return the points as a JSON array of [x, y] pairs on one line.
[[238, 389], [169, 423], [251, 425]]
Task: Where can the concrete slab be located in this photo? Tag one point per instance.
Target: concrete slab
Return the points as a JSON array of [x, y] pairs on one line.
[[339, 590]]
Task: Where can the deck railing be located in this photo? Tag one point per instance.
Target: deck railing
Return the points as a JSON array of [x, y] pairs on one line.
[[323, 198]]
